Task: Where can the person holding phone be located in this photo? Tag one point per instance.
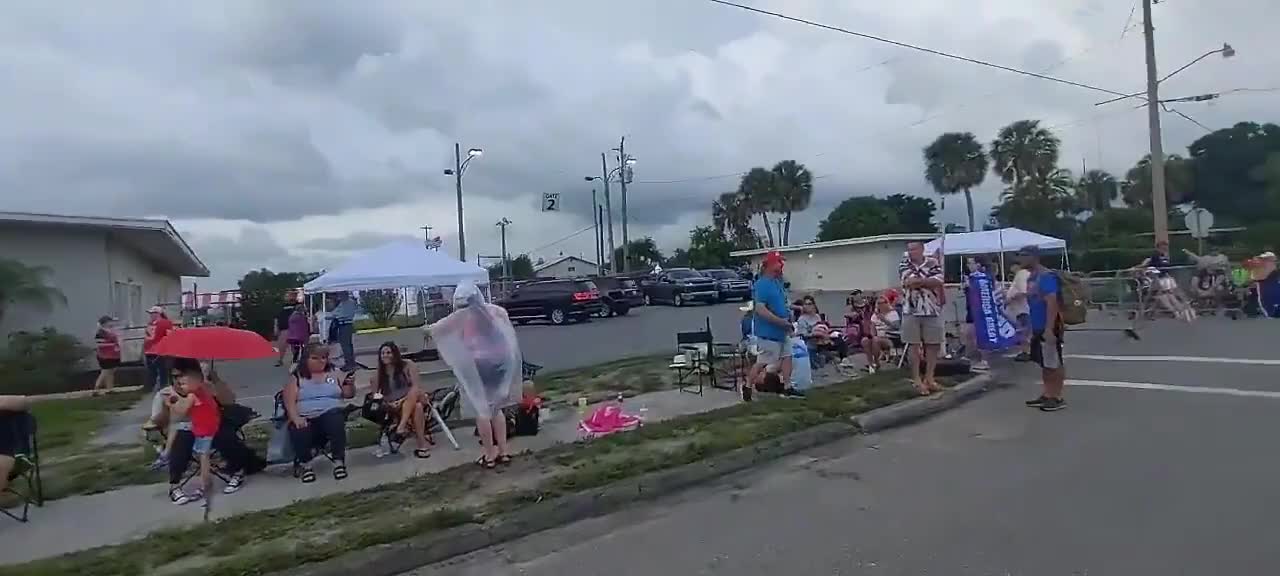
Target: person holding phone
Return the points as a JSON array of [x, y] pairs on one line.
[[314, 400]]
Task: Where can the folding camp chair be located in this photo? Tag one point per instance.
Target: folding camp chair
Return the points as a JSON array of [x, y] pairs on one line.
[[26, 468], [692, 363]]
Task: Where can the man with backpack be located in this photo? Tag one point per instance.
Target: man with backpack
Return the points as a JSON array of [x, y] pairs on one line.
[[1045, 298]]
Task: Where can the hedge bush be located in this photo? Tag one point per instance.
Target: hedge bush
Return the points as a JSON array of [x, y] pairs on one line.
[[50, 362]]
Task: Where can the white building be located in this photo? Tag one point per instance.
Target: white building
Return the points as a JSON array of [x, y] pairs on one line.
[[112, 266], [565, 267], [869, 263]]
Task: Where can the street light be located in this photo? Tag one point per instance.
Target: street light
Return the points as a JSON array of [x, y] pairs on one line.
[[1227, 51], [459, 168]]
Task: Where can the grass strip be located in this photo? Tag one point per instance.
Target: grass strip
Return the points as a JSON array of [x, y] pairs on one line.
[[313, 530]]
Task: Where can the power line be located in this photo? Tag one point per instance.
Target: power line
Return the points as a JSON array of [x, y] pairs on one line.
[[1187, 118], [562, 239], [914, 47], [1129, 20]]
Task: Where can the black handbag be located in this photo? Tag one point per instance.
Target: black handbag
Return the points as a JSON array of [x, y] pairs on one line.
[[236, 416]]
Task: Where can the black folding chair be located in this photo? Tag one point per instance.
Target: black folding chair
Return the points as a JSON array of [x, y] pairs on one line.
[[26, 468], [692, 363]]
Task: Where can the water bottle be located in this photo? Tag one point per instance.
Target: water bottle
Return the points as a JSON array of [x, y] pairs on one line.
[[383, 447]]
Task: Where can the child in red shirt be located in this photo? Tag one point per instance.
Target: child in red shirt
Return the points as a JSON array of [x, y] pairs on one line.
[[202, 408]]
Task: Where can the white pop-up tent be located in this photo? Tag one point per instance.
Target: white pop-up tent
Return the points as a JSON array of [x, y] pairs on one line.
[[397, 265], [993, 242]]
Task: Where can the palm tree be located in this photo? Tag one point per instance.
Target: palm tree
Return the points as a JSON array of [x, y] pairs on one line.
[[731, 215], [794, 190], [1096, 190], [758, 191], [24, 284], [955, 162], [1024, 149]]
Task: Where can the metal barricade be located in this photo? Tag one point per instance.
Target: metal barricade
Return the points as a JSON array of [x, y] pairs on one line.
[[1116, 295]]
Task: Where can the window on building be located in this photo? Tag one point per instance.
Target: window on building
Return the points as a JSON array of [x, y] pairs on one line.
[[126, 303], [572, 268]]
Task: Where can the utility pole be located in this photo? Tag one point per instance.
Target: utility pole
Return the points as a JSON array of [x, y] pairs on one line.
[[608, 210], [457, 178], [426, 236], [595, 222], [506, 262], [600, 236], [1159, 209], [622, 178]]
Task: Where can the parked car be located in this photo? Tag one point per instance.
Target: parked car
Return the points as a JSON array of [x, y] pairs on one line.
[[557, 301], [619, 294], [678, 286], [729, 284]]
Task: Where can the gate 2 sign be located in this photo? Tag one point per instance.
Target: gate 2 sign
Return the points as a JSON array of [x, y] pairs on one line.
[[550, 201]]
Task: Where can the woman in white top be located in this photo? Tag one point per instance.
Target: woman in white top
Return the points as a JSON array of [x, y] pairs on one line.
[[1019, 311], [884, 320]]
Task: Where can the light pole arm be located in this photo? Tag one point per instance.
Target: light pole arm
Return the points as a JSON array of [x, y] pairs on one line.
[[1227, 51]]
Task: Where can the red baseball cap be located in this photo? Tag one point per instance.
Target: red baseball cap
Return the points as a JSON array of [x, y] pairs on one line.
[[774, 258]]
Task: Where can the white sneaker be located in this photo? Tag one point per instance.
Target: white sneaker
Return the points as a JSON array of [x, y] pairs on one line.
[[233, 484], [981, 366]]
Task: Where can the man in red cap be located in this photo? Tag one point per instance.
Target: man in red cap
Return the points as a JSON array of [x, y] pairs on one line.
[[773, 328]]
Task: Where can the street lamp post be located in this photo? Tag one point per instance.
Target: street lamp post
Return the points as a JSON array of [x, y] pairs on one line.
[[459, 167], [506, 262]]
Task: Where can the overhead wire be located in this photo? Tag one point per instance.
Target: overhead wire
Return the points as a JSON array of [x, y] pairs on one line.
[[908, 46]]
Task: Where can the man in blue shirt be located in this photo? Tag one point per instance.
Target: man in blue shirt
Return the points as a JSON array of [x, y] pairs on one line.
[[772, 327], [1044, 299], [342, 317]]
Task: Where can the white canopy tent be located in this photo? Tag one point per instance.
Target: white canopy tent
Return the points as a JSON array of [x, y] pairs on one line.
[[993, 242], [996, 242], [397, 265]]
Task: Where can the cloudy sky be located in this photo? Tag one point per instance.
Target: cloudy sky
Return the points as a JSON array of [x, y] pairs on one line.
[[292, 134]]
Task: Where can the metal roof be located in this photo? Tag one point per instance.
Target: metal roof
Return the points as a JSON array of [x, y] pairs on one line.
[[140, 233]]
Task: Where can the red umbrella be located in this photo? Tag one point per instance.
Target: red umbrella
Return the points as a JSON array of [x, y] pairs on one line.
[[214, 343]]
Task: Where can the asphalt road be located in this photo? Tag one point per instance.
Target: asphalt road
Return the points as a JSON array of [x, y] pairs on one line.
[[1167, 469]]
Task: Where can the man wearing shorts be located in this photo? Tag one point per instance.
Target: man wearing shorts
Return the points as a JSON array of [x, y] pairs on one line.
[[922, 327], [1043, 299], [772, 329]]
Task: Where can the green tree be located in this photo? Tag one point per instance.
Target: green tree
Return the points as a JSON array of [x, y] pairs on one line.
[[262, 296], [915, 214], [793, 185], [731, 214], [758, 192], [708, 248], [644, 254], [1269, 175], [856, 217], [1043, 203], [953, 163], [381, 305], [1096, 191], [1022, 150], [521, 268], [1179, 180], [679, 259], [23, 284], [1226, 170]]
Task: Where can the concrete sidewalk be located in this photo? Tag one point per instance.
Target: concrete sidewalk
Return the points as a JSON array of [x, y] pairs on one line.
[[84, 522]]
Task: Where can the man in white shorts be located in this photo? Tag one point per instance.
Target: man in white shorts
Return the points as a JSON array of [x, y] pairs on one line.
[[772, 329]]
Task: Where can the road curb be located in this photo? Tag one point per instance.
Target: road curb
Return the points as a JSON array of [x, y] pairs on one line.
[[407, 555], [920, 408]]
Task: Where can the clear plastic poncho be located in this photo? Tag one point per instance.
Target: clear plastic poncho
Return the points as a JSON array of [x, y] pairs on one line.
[[478, 342]]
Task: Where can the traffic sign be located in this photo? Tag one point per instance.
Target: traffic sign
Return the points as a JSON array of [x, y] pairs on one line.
[[1199, 221], [550, 201]]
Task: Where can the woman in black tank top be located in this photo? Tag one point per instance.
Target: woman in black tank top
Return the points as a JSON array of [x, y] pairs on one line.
[[397, 382]]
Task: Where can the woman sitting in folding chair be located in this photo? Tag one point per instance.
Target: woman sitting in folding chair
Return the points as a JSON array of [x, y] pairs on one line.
[[401, 399], [314, 402]]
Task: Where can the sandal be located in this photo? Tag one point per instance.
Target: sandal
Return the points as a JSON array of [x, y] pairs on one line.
[[421, 453], [307, 476], [503, 459], [339, 471], [486, 463]]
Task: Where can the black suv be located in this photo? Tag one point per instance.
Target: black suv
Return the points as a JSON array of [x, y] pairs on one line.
[[681, 285], [557, 301], [619, 294], [729, 284]]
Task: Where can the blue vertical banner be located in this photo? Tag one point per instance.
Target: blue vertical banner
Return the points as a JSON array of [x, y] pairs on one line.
[[992, 329]]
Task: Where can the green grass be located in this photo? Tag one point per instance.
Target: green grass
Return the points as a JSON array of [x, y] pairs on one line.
[[629, 376], [314, 530], [65, 426]]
